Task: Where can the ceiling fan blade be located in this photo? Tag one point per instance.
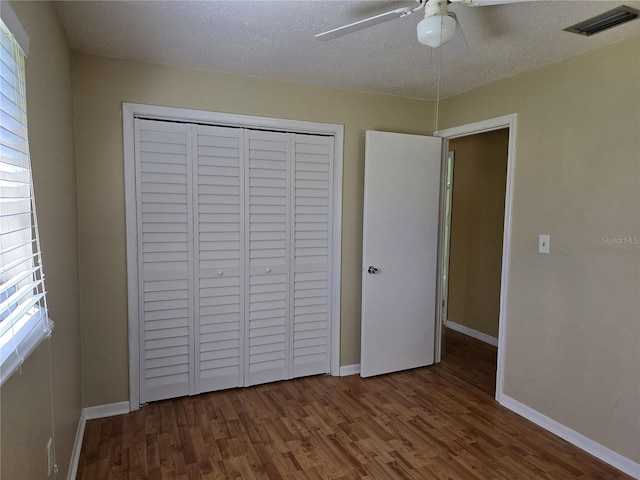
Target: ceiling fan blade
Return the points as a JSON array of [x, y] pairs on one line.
[[483, 3], [366, 23]]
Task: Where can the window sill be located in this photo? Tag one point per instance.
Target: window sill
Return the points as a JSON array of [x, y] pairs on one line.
[[34, 330]]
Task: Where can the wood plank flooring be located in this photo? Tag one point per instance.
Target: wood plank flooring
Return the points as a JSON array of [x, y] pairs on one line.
[[419, 424], [469, 360]]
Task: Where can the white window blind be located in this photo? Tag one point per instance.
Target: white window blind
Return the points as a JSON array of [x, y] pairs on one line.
[[23, 312]]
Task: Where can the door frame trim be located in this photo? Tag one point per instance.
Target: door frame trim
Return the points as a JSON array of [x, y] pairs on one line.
[[130, 111], [506, 121]]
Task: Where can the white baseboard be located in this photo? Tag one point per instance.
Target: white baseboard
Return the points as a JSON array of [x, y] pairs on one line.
[[472, 333], [108, 410], [91, 413], [597, 450], [77, 447], [350, 370]]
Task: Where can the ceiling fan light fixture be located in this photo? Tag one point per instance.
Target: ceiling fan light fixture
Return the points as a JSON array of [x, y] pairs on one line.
[[436, 30]]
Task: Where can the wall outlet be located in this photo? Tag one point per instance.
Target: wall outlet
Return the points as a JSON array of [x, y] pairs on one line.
[[50, 461]]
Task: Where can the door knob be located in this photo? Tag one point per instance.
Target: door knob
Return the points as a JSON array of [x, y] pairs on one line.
[[372, 270]]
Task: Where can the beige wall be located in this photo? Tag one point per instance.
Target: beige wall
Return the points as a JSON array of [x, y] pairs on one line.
[[25, 408], [573, 329], [573, 316], [100, 86], [477, 219]]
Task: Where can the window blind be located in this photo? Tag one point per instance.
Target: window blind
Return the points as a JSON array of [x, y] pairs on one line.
[[23, 312]]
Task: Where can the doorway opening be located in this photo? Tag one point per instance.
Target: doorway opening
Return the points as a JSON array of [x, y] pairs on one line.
[[474, 253]]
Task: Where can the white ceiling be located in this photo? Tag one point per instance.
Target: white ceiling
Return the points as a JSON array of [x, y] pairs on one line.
[[275, 39]]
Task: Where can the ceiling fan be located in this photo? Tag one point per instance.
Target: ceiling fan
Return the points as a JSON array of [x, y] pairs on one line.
[[438, 26]]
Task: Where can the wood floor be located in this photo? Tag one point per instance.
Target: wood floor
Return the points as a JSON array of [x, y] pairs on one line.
[[420, 424], [469, 360]]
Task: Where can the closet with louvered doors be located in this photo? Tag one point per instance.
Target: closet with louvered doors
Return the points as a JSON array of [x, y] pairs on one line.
[[233, 249]]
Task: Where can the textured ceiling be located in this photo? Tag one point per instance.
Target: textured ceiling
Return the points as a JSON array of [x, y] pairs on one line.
[[275, 39]]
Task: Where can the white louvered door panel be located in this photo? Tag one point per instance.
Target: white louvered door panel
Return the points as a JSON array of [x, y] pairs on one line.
[[165, 259], [311, 234], [219, 240], [267, 303]]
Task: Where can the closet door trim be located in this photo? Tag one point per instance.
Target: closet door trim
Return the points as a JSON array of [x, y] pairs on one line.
[[130, 111]]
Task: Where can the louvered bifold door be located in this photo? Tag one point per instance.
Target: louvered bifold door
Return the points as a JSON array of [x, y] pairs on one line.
[[219, 239], [267, 203], [165, 259], [311, 231]]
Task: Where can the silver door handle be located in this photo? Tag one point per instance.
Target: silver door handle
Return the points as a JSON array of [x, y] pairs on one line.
[[372, 270]]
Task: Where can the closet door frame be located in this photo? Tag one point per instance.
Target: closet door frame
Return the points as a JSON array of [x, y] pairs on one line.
[[130, 111]]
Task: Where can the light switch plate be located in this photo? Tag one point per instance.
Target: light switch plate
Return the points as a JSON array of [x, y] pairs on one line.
[[543, 244]]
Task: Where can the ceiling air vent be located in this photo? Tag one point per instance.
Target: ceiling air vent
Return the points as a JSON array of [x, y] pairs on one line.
[[605, 21]]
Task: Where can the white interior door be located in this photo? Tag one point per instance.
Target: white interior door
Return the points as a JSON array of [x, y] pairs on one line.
[[311, 220], [267, 201], [165, 259], [218, 186], [400, 243]]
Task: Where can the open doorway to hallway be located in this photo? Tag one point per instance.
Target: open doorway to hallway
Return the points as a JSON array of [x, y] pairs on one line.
[[473, 250]]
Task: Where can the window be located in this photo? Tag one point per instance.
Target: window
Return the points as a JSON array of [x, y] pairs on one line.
[[23, 313]]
